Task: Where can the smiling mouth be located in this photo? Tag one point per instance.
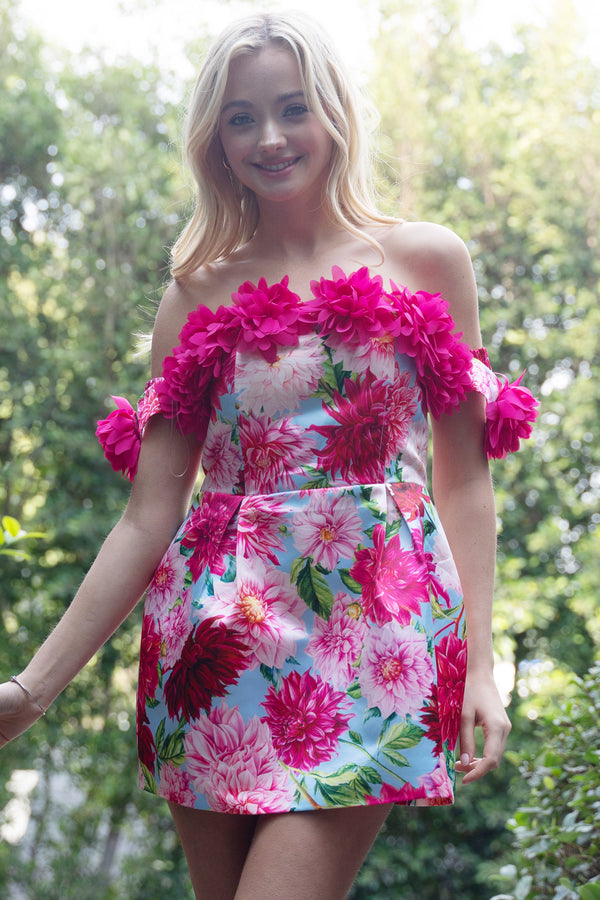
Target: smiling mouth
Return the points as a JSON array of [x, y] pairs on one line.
[[277, 167]]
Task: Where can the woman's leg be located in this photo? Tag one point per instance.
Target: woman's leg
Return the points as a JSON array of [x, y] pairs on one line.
[[215, 847], [309, 855]]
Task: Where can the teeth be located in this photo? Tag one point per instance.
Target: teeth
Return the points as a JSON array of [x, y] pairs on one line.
[[278, 167]]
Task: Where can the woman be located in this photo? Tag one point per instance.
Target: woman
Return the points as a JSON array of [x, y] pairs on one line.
[[303, 655]]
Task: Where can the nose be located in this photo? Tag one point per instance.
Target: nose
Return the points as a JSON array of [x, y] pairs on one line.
[[271, 136]]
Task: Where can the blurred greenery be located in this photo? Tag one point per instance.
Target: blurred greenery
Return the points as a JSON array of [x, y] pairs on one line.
[[503, 147]]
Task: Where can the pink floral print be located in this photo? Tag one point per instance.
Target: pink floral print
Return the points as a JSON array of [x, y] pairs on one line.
[[396, 672], [329, 528], [336, 644]]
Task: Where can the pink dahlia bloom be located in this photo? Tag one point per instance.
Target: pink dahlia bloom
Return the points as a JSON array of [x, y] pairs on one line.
[[268, 317], [354, 446], [210, 534], [184, 393], [451, 660], [353, 309], [210, 338], [328, 528], [175, 628], [395, 672], [264, 609], [403, 399], [377, 354], [306, 716], [437, 785], [235, 764], [149, 658], [281, 384], [409, 499], [167, 582], [394, 581], [335, 644], [260, 526], [509, 419], [273, 451], [119, 437], [425, 332], [404, 795], [174, 785], [221, 459]]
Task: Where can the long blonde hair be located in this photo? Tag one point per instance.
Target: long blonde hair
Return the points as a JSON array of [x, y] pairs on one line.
[[226, 212]]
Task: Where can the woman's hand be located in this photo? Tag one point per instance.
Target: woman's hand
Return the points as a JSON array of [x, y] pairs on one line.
[[17, 712], [482, 707]]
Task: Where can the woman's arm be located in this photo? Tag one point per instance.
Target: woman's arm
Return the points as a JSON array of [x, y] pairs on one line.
[[167, 470], [463, 494]]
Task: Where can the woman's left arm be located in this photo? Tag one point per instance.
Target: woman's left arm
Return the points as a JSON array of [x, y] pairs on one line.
[[463, 495]]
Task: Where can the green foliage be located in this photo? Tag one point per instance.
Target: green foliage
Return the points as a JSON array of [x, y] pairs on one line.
[[556, 849]]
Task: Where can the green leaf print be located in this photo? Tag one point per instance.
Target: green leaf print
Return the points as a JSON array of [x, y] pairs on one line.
[[314, 590], [350, 583], [170, 749], [296, 567], [356, 737], [400, 736], [342, 788], [149, 780], [428, 527], [354, 690], [270, 674]]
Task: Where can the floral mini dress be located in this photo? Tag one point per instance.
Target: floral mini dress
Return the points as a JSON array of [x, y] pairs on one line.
[[303, 643]]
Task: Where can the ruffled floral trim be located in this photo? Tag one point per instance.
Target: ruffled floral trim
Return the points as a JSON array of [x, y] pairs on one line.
[[425, 331], [351, 310], [121, 433]]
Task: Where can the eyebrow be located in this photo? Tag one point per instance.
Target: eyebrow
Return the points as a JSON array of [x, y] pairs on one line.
[[245, 104]]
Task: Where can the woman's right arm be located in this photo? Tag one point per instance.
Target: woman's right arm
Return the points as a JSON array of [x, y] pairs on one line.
[[167, 469]]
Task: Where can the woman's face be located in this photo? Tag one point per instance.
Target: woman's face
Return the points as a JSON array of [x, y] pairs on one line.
[[273, 143]]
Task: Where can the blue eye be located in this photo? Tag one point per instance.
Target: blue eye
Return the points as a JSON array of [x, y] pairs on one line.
[[296, 109], [240, 119]]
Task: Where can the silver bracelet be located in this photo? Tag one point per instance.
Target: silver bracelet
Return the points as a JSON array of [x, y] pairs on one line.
[[28, 692]]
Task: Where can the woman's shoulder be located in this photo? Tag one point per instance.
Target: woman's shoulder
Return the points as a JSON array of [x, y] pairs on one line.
[[427, 251]]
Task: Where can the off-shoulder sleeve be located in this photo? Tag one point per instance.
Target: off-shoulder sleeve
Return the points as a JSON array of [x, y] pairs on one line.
[[121, 433], [510, 409]]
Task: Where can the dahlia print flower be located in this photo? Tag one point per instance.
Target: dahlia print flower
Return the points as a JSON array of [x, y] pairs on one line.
[[119, 436], [395, 672], [403, 399], [273, 451], [175, 630], [263, 608], [259, 527], [354, 446], [425, 332], [174, 785], [328, 528], [451, 660], [212, 659], [306, 717], [409, 499], [210, 535], [149, 657], [336, 644], [167, 582], [352, 310], [235, 764], [509, 419], [221, 458], [282, 383], [390, 794], [394, 581], [268, 317]]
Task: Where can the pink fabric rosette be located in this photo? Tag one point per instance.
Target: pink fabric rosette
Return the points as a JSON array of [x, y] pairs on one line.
[[509, 418], [424, 330], [119, 436], [268, 317], [353, 309]]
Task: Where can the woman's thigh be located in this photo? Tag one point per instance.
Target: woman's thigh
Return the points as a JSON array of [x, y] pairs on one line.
[[215, 847], [309, 855]]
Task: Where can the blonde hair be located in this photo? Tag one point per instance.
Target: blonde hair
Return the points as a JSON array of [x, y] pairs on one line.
[[226, 212]]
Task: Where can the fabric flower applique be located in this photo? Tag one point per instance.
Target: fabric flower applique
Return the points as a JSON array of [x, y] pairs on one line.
[[425, 331], [119, 436], [509, 419], [269, 317], [306, 717], [351, 309], [235, 764]]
